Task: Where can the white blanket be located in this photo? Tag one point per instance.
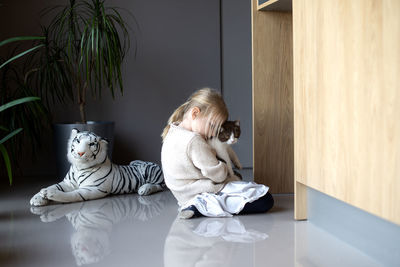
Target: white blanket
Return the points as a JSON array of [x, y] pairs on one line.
[[230, 200]]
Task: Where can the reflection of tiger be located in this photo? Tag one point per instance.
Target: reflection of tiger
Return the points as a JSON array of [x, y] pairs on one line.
[[94, 221], [92, 175]]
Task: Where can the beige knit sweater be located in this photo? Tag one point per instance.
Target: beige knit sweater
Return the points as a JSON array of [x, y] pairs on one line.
[[190, 165]]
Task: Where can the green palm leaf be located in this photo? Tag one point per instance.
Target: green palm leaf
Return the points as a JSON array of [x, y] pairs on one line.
[[10, 135], [20, 55], [7, 162], [17, 102], [21, 38]]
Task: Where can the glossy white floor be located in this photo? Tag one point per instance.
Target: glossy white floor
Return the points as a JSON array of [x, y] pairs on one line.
[[143, 231]]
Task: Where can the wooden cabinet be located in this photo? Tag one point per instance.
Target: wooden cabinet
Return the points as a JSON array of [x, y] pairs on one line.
[[346, 101], [272, 99]]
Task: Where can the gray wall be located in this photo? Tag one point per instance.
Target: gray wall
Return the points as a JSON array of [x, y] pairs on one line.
[[236, 74], [178, 52]]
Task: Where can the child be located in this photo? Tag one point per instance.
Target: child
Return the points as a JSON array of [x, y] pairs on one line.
[[197, 179]]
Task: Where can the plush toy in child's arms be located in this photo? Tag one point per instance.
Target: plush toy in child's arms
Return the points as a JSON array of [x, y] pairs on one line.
[[92, 175]]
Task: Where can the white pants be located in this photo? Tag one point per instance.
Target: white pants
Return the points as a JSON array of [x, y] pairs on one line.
[[230, 200]]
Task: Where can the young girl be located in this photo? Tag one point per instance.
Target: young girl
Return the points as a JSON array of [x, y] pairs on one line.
[[197, 179]]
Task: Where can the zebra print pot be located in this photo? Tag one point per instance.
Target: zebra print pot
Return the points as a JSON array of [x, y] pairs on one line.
[[62, 132]]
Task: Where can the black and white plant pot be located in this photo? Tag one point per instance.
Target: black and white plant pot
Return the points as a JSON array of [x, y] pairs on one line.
[[62, 132]]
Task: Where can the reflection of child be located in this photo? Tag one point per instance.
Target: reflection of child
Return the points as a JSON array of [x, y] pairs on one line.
[[191, 168], [209, 242]]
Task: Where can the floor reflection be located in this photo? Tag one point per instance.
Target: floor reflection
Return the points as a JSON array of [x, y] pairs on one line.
[[208, 242], [94, 220], [129, 230], [316, 247]]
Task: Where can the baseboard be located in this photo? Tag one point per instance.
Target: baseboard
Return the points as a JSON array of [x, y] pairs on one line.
[[368, 233]]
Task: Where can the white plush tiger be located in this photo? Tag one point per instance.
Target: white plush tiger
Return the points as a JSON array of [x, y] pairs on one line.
[[92, 175]]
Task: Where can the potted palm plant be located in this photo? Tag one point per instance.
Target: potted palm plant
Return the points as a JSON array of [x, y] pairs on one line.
[[86, 42]]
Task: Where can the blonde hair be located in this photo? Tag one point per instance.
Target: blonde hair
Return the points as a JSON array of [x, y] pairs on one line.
[[209, 102]]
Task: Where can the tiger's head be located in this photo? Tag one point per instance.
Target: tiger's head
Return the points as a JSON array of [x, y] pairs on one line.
[[86, 149]]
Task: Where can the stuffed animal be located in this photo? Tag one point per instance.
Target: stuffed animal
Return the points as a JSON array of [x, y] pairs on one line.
[[92, 175]]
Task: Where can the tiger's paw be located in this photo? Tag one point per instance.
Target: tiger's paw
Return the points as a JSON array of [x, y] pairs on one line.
[[146, 189], [48, 193], [38, 200]]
